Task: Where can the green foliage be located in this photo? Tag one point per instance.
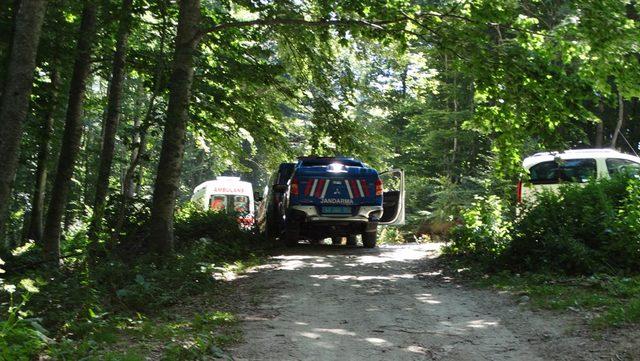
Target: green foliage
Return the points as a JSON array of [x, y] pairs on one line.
[[21, 337], [88, 310], [577, 230], [391, 235], [193, 223], [486, 230]]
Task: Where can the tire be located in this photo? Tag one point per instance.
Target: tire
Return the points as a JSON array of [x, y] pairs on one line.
[[336, 241], [369, 239], [352, 240]]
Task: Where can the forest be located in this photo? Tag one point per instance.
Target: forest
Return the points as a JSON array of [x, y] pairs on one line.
[[112, 111]]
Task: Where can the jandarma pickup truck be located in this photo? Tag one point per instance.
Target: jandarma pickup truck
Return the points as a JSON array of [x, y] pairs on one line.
[[339, 197]]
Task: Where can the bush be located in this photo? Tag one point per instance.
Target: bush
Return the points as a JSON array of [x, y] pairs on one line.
[[485, 231], [21, 337], [192, 223], [83, 303], [391, 235], [577, 230]]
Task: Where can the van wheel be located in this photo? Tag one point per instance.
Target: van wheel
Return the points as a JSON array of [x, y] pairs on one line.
[[369, 239], [336, 241], [352, 240]]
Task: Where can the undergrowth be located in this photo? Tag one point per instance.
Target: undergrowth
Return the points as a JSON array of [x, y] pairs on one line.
[[579, 247], [85, 310]]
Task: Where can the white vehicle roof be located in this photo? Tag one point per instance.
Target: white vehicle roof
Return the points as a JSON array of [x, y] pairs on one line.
[[576, 154], [226, 185]]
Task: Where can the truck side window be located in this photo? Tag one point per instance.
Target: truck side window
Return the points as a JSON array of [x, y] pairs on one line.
[[622, 166], [570, 170]]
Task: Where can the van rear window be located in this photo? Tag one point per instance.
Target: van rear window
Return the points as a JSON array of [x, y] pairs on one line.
[[569, 170]]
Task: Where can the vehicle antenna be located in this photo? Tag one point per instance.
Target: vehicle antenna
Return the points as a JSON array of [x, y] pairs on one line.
[[629, 144]]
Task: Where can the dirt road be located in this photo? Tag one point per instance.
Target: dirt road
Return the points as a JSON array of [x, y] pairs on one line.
[[390, 303]]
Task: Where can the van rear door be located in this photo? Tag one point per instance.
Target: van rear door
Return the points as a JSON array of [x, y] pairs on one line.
[[393, 197]]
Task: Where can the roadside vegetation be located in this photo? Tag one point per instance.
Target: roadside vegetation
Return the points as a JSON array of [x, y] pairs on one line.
[[111, 112], [130, 306], [575, 249]]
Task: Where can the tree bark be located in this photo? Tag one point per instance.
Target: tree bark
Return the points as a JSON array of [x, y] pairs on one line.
[[170, 165], [112, 120], [616, 132], [36, 220], [600, 125], [72, 133], [16, 93], [138, 150]]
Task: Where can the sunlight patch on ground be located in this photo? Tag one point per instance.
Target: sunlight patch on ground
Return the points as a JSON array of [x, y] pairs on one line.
[[363, 278], [377, 341], [335, 331], [310, 335], [417, 349], [481, 324], [321, 265], [427, 298]]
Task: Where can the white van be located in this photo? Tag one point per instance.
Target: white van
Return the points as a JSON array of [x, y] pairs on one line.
[[548, 170], [229, 195]]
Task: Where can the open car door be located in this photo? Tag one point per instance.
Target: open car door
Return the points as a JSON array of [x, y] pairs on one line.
[[393, 197]]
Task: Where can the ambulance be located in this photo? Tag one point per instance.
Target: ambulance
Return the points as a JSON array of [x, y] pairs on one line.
[[229, 195]]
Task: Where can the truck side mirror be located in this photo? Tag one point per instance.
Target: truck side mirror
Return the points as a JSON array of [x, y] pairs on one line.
[[280, 188]]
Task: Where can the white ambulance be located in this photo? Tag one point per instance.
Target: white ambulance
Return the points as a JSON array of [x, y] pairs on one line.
[[227, 194]]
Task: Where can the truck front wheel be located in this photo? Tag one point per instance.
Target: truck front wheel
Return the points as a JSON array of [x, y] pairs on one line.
[[369, 239]]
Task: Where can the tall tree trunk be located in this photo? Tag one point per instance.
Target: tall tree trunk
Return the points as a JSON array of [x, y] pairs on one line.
[[616, 132], [36, 219], [129, 185], [16, 93], [128, 180], [170, 165], [112, 120], [72, 133], [600, 125]]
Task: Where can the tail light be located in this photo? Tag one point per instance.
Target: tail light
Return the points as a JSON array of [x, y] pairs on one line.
[[378, 187], [294, 187], [519, 192]]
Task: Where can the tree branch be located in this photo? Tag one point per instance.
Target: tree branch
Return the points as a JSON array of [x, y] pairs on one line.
[[376, 24]]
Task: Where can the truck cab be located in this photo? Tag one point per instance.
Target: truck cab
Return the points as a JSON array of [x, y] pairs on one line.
[[268, 214], [339, 197]]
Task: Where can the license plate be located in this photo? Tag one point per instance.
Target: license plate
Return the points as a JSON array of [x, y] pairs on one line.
[[335, 210]]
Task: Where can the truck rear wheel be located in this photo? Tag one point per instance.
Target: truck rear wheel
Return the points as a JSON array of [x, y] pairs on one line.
[[369, 239], [336, 241]]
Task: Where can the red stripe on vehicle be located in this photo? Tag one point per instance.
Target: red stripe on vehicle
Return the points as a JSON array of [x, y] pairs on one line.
[[354, 188], [307, 189], [365, 187], [319, 187]]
